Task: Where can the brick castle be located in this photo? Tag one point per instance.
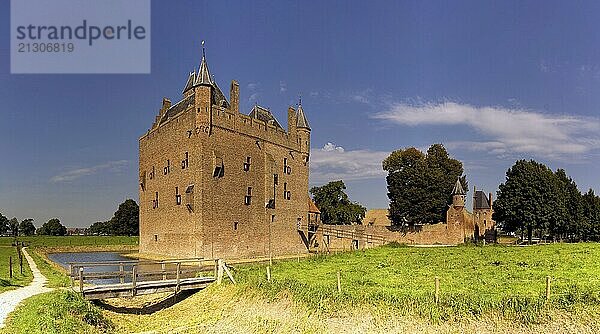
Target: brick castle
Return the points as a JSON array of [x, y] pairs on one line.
[[215, 182]]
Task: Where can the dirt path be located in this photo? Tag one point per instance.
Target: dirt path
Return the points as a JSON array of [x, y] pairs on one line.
[[10, 299]]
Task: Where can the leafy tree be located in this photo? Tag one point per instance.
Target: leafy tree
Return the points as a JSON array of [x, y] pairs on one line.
[[52, 227], [99, 228], [591, 215], [13, 226], [335, 206], [26, 227], [420, 185], [126, 220], [571, 221], [530, 199], [3, 224]]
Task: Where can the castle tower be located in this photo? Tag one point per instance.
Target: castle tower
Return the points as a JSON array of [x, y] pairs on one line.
[[458, 195], [303, 130]]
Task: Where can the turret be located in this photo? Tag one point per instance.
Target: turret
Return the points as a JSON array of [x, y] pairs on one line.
[[303, 129], [458, 195]]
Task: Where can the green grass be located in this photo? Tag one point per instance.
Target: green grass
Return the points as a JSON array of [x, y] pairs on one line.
[[58, 311], [74, 240], [473, 280], [56, 277], [18, 280]]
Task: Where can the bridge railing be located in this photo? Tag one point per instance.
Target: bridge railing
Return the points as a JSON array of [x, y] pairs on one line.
[[142, 270]]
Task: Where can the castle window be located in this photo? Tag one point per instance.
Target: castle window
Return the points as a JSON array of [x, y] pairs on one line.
[[156, 237], [177, 196], [286, 169], [248, 197], [152, 173], [143, 180], [184, 162], [167, 168], [235, 226], [247, 164], [189, 197], [219, 170], [286, 194], [155, 201]]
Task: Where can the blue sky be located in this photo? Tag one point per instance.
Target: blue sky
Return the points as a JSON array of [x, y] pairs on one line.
[[493, 81]]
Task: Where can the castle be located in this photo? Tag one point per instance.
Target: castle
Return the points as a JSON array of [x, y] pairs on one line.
[[215, 182]]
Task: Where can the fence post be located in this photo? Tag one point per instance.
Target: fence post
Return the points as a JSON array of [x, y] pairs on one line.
[[71, 274], [121, 274], [220, 271], [437, 290], [268, 273], [216, 268], [81, 280], [339, 282], [133, 280], [547, 288], [10, 266], [178, 277], [162, 267]]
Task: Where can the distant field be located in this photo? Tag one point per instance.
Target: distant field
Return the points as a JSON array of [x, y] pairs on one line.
[[74, 240], [18, 280], [473, 280]]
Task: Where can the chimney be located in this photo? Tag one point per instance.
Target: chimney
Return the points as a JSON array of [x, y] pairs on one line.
[[234, 96]]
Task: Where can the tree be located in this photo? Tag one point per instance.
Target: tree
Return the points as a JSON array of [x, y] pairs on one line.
[[3, 224], [591, 215], [420, 185], [52, 227], [571, 220], [26, 227], [13, 227], [335, 206], [126, 220], [99, 228], [530, 199]]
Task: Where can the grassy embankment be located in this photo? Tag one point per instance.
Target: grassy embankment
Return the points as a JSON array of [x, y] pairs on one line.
[[390, 289], [18, 280], [61, 311]]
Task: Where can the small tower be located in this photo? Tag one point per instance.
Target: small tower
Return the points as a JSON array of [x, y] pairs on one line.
[[303, 129], [458, 195]]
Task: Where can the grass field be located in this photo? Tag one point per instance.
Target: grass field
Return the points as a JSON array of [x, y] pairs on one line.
[[473, 280], [491, 289], [18, 280], [73, 240]]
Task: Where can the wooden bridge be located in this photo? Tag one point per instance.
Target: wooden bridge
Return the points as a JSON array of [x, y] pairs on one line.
[[133, 278]]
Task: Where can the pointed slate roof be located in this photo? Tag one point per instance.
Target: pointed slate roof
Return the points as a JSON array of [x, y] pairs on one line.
[[301, 122], [458, 188], [481, 200], [203, 77], [190, 81], [264, 115]]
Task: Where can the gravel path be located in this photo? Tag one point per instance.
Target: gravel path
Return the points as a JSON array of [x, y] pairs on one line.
[[10, 299]]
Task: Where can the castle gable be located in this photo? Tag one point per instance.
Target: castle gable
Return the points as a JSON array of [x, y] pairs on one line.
[[264, 115]]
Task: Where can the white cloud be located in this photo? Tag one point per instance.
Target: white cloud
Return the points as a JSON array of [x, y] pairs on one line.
[[332, 163], [282, 87], [75, 174], [253, 85], [253, 97], [505, 130]]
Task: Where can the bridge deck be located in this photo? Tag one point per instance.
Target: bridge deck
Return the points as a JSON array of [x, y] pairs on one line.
[[144, 287]]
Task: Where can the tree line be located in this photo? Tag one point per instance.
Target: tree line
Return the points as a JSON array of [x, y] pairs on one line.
[[125, 221], [536, 201]]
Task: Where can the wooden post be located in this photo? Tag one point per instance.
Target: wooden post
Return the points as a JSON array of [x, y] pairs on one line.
[[133, 280], [339, 282], [437, 290], [178, 276], [162, 267], [268, 273], [220, 271], [121, 274], [10, 266], [298, 257], [71, 275], [216, 268], [547, 288], [81, 280]]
